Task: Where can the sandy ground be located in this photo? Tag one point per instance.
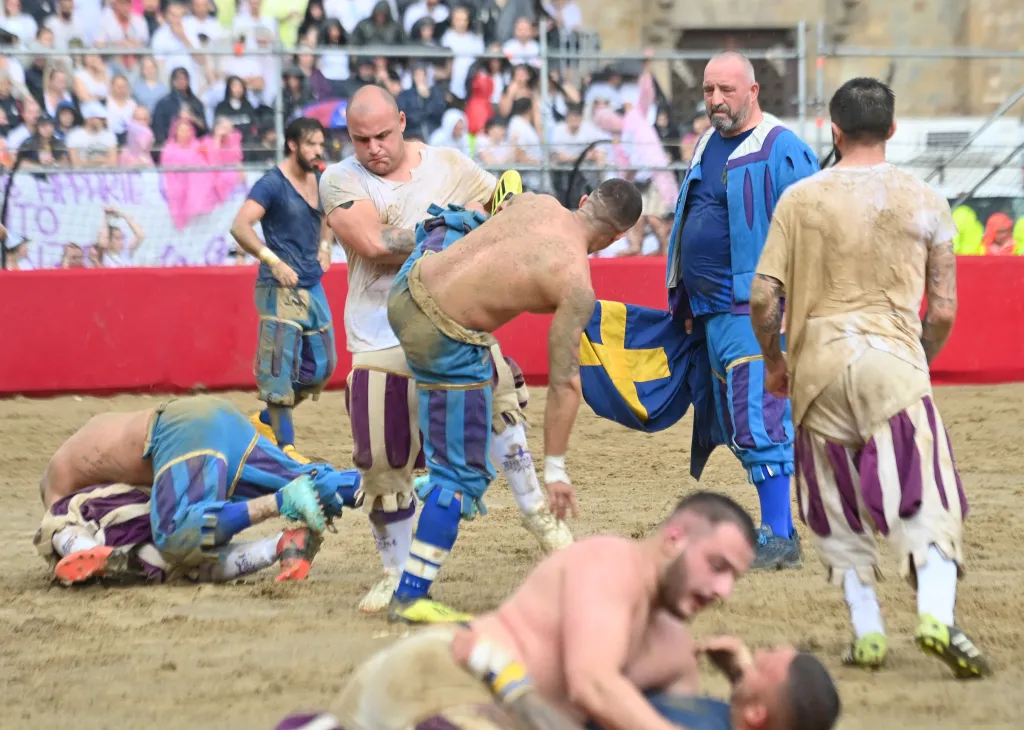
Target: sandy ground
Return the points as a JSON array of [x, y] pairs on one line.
[[244, 655]]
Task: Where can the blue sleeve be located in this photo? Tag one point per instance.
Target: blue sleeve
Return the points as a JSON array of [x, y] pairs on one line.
[[794, 160], [264, 192]]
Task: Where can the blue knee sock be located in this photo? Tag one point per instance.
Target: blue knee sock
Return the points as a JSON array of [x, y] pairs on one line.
[[435, 536], [232, 519], [281, 421], [776, 511]]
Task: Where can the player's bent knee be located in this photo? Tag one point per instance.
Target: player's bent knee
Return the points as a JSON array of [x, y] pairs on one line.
[[382, 411]]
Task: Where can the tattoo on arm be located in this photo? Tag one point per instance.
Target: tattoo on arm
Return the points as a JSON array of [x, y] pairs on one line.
[[766, 315], [531, 711], [940, 287], [398, 240], [570, 319]]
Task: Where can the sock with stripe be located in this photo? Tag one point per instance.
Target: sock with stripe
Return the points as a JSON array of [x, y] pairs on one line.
[[776, 510], [436, 532], [279, 418]]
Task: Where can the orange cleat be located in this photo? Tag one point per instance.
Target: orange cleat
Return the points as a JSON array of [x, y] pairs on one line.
[[82, 565], [296, 550]]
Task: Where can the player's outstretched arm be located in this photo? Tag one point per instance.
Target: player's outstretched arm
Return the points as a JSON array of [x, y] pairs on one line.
[[602, 594], [940, 288], [356, 224]]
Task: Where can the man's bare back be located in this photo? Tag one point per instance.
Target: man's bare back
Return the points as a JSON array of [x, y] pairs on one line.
[[524, 259], [552, 611], [107, 449]]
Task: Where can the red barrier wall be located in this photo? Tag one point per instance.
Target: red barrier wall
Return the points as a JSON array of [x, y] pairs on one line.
[[176, 329]]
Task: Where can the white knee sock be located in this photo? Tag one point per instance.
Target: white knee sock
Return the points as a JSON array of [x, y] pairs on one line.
[[863, 602], [72, 540], [936, 586], [393, 540], [510, 451], [238, 559]]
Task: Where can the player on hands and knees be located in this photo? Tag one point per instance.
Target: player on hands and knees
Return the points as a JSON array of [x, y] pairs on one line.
[[854, 249], [373, 202], [532, 256], [296, 354], [211, 476]]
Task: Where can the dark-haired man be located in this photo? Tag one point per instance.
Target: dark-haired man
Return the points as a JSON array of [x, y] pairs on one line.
[[854, 249], [444, 305], [296, 355], [593, 632]]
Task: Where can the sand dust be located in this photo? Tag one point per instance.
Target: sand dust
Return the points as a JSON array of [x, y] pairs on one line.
[[244, 655]]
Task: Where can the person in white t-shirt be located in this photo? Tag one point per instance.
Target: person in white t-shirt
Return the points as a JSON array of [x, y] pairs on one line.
[[492, 147], [174, 45], [92, 144], [523, 47], [200, 22], [373, 202], [466, 45]]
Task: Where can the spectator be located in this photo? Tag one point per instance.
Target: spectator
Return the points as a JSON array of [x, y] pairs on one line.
[[380, 29], [501, 73], [366, 74], [424, 33], [43, 149], [191, 194], [152, 13], [523, 47], [296, 92], [498, 18], [17, 23], [523, 136], [223, 148], [422, 103], [492, 147], [200, 22], [12, 67], [318, 85], [119, 28], [571, 137], [334, 63], [73, 257], [110, 239], [138, 148], [245, 23], [55, 90], [120, 107], [479, 108], [453, 132], [67, 119], [348, 12], [66, 25], [35, 72], [238, 110], [30, 113], [565, 14], [179, 100], [522, 85], [315, 20], [385, 76], [92, 144], [92, 83], [148, 89], [8, 105], [465, 44], [17, 255], [436, 11], [668, 133], [261, 74], [998, 238], [172, 43], [94, 255]]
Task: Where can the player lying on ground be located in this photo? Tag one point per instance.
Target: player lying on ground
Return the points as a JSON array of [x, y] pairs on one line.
[[854, 249], [373, 201], [593, 629], [211, 474], [531, 256]]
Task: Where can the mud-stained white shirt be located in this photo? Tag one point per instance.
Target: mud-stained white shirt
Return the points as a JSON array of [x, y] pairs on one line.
[[850, 246], [443, 176]]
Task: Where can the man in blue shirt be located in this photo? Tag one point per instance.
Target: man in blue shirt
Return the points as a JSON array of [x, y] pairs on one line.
[[740, 167], [296, 354]]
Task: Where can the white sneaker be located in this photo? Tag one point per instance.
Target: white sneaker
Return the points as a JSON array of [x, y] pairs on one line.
[[551, 533], [379, 597]]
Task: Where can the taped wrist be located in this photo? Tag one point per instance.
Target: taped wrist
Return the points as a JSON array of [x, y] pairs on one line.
[[506, 677], [554, 470], [268, 257], [325, 245]]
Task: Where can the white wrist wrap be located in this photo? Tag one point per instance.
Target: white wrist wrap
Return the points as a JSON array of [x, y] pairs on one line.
[[554, 470], [487, 660]]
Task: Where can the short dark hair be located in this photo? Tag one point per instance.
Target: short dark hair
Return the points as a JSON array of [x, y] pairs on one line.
[[298, 129], [576, 109], [617, 202], [717, 508], [811, 695], [864, 109]]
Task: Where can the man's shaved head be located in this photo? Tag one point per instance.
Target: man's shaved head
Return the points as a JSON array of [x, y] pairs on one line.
[[731, 93], [376, 125], [610, 211]]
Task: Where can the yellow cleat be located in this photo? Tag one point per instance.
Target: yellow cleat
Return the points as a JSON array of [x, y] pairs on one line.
[[262, 429], [424, 611], [868, 652], [510, 183], [952, 646]]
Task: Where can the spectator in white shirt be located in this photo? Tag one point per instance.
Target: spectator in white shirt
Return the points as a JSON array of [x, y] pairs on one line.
[[523, 48], [66, 25], [173, 45], [92, 144], [92, 81], [119, 28], [572, 136], [466, 46], [334, 63], [249, 18], [200, 22], [433, 9], [55, 89], [18, 23], [120, 105], [523, 137], [492, 147], [110, 239]]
